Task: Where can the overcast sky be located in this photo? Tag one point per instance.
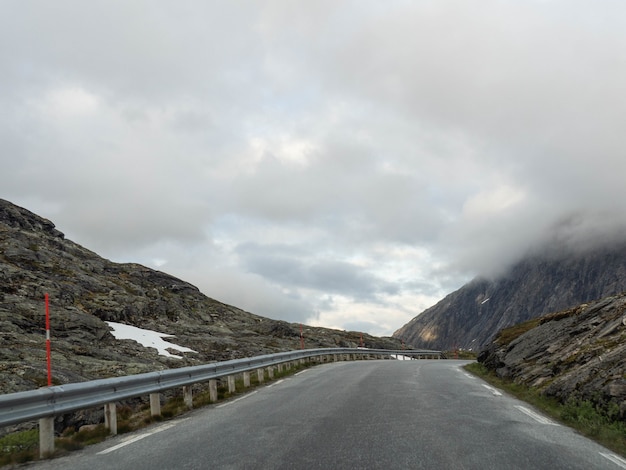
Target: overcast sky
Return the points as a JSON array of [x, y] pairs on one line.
[[339, 163]]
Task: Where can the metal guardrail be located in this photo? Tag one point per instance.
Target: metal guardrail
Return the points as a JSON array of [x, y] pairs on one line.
[[56, 400]]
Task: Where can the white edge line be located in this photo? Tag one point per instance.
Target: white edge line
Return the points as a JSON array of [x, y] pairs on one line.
[[275, 383], [535, 416], [493, 391], [137, 438], [301, 372], [620, 462], [469, 376], [237, 399]]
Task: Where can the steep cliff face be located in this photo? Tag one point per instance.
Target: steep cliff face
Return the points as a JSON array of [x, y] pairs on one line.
[[86, 290], [579, 353], [471, 316]]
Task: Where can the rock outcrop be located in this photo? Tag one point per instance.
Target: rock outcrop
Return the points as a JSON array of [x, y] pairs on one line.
[[579, 353], [470, 317], [86, 290]]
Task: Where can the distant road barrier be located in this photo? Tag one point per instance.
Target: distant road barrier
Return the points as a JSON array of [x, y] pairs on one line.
[[46, 403]]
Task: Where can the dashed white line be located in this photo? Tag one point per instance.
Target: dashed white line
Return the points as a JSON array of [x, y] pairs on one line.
[[537, 417], [139, 437], [469, 376], [301, 372], [275, 383], [493, 391], [236, 400], [620, 462]]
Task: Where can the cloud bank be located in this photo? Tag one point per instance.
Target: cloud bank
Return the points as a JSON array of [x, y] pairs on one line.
[[338, 163]]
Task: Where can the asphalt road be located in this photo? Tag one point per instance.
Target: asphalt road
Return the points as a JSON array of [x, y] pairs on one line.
[[423, 414]]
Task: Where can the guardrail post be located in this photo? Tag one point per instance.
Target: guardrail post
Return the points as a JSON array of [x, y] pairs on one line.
[[231, 384], [46, 437], [246, 379], [188, 396], [280, 368], [260, 373], [110, 418], [155, 404], [270, 372], [213, 390]]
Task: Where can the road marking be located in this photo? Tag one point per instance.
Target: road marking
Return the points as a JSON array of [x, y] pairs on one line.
[[139, 437], [236, 400], [493, 391], [461, 371], [537, 417], [620, 462], [275, 383], [301, 372]]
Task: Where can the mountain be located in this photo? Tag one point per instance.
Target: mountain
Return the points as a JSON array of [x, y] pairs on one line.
[[86, 290], [553, 280]]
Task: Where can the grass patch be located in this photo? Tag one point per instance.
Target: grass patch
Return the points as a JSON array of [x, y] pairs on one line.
[[459, 354], [509, 334], [173, 407], [591, 420], [89, 436], [19, 447]]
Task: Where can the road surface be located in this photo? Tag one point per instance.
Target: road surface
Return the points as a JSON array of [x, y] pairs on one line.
[[423, 414]]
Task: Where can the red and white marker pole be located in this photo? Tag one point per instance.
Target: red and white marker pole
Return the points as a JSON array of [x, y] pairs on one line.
[[48, 355]]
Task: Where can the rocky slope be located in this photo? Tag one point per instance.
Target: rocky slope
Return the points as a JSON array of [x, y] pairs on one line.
[[579, 354], [470, 317], [86, 290]]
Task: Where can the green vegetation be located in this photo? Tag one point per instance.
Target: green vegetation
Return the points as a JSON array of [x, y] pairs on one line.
[[459, 354], [601, 424], [506, 335], [19, 447], [84, 437], [509, 334]]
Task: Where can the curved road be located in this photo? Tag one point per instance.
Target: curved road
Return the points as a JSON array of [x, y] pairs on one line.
[[355, 415]]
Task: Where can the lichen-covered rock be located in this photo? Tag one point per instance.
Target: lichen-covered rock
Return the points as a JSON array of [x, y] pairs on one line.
[[578, 353]]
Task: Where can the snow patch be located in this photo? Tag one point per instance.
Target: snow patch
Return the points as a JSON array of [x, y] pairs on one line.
[[147, 338]]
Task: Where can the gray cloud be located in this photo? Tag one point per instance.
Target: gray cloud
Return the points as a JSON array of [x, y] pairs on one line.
[[300, 269], [333, 161]]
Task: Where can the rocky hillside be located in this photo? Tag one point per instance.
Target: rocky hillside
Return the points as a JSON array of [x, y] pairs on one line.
[[86, 290], [579, 354], [470, 317]]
